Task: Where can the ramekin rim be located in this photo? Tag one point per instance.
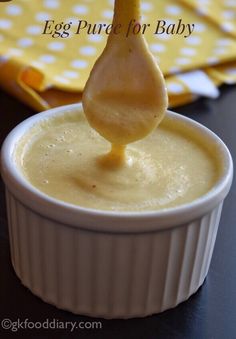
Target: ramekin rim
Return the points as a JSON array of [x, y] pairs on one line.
[[122, 221]]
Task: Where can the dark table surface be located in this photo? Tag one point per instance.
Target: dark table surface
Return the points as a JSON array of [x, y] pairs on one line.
[[209, 314]]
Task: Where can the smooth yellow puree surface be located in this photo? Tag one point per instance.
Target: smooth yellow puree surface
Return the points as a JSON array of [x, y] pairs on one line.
[[63, 157]]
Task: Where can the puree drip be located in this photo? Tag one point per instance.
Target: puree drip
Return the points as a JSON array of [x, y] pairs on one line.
[[64, 158]]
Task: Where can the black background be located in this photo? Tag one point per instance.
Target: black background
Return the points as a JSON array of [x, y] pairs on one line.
[[209, 314]]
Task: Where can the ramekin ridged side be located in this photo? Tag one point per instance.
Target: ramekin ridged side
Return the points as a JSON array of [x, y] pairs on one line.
[[110, 275]]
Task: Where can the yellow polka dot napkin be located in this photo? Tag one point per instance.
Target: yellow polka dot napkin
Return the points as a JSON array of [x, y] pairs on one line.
[[47, 70]]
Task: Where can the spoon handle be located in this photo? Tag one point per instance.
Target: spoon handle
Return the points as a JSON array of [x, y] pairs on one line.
[[125, 11]]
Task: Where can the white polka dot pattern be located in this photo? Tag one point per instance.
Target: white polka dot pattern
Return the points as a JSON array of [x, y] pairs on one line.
[[51, 4], [42, 16], [71, 74], [56, 46], [87, 50], [175, 88], [13, 10], [25, 42], [173, 10], [80, 9], [5, 24], [157, 48], [34, 30], [47, 58], [66, 59], [79, 64]]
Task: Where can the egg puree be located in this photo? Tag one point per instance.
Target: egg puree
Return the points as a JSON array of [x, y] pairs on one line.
[[64, 158]]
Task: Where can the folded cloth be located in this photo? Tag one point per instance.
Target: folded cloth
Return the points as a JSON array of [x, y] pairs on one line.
[[48, 70]]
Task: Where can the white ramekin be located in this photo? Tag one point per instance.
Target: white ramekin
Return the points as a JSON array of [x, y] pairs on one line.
[[108, 264]]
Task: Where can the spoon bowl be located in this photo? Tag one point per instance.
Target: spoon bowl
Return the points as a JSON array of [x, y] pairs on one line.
[[125, 97]]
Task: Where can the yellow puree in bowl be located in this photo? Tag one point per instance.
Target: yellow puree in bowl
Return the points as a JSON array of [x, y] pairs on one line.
[[64, 157]]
